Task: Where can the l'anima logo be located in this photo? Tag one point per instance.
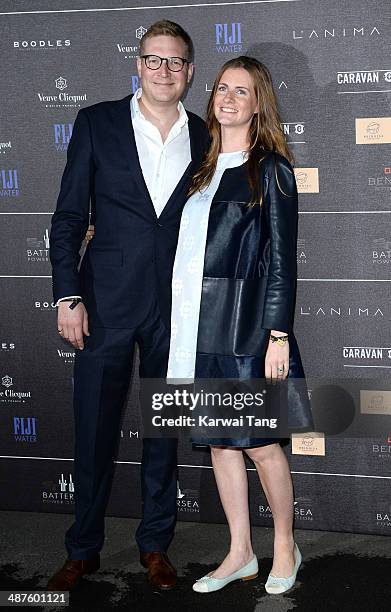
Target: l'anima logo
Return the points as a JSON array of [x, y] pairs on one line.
[[336, 33], [336, 312]]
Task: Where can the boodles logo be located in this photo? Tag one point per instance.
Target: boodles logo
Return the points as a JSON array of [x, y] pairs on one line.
[[228, 37], [7, 346], [42, 44]]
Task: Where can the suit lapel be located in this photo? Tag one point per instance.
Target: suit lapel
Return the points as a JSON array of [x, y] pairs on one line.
[[128, 142]]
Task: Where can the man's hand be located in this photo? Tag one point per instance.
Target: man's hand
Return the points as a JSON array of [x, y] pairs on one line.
[[90, 233], [72, 324]]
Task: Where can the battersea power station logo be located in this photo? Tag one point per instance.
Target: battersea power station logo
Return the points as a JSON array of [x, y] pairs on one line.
[[228, 37]]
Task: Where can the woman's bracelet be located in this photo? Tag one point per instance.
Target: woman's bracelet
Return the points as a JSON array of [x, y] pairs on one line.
[[280, 340]]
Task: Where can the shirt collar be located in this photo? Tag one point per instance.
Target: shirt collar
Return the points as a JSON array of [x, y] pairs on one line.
[[136, 111]]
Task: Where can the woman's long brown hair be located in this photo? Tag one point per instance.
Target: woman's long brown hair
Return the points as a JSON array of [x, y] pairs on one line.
[[265, 131]]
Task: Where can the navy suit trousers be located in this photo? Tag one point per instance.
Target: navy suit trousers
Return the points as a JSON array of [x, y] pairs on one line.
[[101, 380]]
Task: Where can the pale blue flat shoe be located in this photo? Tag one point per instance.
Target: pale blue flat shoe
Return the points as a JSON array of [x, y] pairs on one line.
[[275, 585], [208, 584]]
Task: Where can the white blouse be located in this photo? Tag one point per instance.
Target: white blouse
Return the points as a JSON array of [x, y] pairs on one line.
[[188, 273]]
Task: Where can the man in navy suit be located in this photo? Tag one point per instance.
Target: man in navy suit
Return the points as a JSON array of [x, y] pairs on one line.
[[130, 163]]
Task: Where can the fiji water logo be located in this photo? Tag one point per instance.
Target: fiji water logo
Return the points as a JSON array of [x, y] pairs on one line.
[[62, 133], [134, 83], [228, 37], [25, 429], [9, 183]]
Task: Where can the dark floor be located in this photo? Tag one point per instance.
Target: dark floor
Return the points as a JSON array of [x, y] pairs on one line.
[[343, 572]]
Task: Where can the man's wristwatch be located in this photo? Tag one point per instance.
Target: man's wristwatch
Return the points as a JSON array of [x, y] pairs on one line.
[[73, 302]]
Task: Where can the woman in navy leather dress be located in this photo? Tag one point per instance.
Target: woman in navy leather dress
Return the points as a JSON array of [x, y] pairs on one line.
[[234, 283]]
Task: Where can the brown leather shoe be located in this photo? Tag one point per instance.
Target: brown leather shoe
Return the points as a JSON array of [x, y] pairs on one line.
[[68, 577], [161, 573]]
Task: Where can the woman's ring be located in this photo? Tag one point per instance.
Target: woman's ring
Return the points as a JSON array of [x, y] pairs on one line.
[[280, 369]]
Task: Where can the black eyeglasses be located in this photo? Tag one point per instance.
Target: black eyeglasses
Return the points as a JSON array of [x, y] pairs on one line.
[[153, 62]]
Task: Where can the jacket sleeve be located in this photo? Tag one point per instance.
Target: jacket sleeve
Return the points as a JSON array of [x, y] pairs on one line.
[[280, 200], [70, 220]]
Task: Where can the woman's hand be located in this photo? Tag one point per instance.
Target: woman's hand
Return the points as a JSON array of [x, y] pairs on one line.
[[277, 359]]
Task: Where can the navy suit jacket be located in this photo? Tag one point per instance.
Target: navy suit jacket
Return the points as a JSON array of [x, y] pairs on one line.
[[128, 264]]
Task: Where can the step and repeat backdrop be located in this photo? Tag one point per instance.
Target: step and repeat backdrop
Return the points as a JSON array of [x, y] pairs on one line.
[[332, 72]]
